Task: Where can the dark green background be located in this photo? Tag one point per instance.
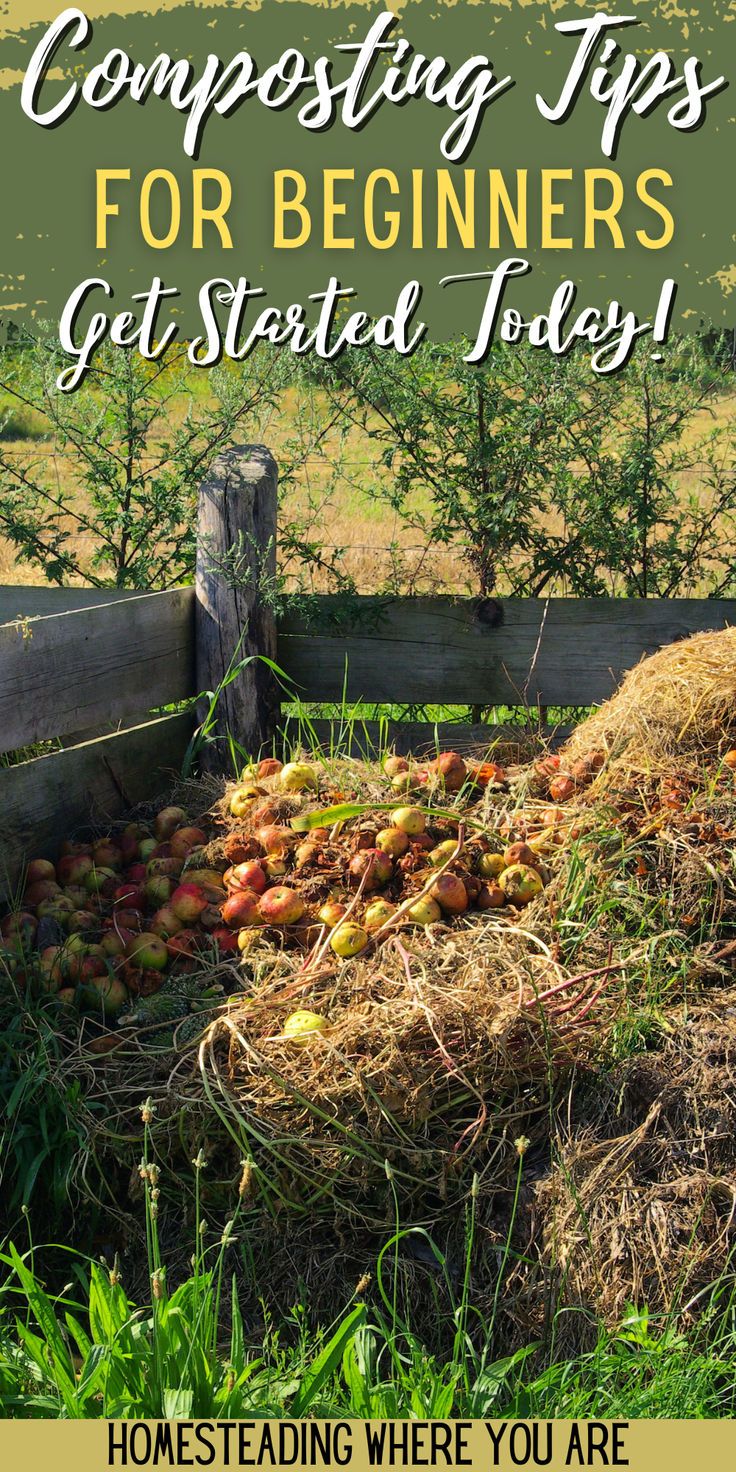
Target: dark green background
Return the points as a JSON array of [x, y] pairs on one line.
[[49, 175]]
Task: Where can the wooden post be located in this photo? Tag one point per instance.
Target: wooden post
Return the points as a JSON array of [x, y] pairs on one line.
[[235, 587]]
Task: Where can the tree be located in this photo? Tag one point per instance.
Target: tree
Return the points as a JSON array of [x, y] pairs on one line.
[[549, 479], [106, 492]]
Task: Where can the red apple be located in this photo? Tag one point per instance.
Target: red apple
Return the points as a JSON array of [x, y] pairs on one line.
[[107, 855], [186, 839], [39, 869], [74, 868], [242, 909], [245, 876], [130, 896], [281, 906], [269, 767], [188, 901], [450, 894], [42, 889], [225, 940], [128, 920], [184, 943], [380, 866]]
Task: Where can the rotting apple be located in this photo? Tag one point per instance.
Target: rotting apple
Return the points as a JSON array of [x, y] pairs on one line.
[[490, 896], [297, 777], [450, 770], [393, 841], [183, 943], [269, 766], [241, 801], [239, 847], [561, 787], [521, 884], [378, 913], [409, 820], [275, 839], [147, 951], [450, 893], [489, 866], [167, 821], [348, 939], [241, 909], [520, 853], [424, 911], [281, 906], [373, 862]]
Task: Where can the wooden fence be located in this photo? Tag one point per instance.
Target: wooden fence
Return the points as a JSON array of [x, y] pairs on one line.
[[92, 671]]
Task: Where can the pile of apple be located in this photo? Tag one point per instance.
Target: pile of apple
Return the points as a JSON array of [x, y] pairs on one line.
[[307, 885], [112, 919]]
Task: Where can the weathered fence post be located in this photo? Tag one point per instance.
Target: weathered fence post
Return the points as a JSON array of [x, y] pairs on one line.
[[235, 586]]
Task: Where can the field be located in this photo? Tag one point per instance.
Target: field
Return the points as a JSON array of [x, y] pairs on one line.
[[493, 1171]]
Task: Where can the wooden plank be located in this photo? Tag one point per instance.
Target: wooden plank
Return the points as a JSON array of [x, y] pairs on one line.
[[106, 664], [17, 600], [569, 651], [45, 800], [372, 739]]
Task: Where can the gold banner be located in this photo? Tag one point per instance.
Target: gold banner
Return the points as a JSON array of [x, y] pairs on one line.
[[642, 1446]]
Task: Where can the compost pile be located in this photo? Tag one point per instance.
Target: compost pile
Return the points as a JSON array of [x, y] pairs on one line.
[[370, 989]]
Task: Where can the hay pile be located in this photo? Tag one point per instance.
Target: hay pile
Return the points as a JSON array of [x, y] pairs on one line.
[[675, 707], [640, 1206], [440, 1053], [445, 1047]]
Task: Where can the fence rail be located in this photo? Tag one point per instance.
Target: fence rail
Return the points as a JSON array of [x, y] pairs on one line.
[[79, 660]]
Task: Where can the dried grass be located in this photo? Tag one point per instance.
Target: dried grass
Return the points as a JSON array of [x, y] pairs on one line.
[[639, 1207], [675, 707], [440, 1052]]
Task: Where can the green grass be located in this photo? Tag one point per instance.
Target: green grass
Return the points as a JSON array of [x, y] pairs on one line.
[[89, 1352]]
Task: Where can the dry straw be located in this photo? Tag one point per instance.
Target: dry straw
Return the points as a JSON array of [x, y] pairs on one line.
[[679, 705]]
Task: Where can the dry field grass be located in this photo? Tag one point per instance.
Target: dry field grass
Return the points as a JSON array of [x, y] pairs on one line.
[[345, 514]]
